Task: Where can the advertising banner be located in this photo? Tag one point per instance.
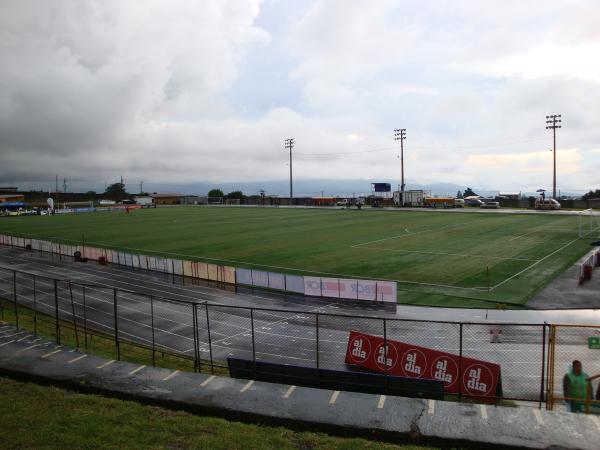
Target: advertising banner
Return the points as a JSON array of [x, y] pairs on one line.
[[276, 281], [330, 287], [312, 286], [294, 283], [187, 268], [213, 272], [229, 274], [260, 278], [243, 276], [348, 289], [177, 267], [202, 271], [386, 292], [366, 290], [466, 376]]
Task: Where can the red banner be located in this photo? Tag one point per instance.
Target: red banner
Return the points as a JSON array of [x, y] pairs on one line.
[[478, 378]]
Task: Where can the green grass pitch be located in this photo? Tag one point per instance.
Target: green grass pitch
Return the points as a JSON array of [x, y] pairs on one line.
[[438, 258]]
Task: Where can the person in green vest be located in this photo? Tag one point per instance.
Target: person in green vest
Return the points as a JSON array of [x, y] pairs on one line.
[[575, 387]]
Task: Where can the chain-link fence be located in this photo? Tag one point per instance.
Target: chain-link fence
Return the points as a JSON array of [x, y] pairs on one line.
[[499, 362]]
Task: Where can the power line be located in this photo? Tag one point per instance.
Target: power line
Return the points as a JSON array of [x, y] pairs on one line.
[[433, 147]]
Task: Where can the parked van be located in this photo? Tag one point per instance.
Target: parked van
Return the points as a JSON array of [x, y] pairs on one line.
[[547, 203], [459, 202]]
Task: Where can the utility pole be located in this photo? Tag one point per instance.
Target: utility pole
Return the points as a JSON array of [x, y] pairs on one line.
[[289, 143], [400, 135], [56, 190], [64, 185], [141, 187], [552, 123]]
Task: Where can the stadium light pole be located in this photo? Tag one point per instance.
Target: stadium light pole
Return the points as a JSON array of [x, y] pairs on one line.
[[289, 143], [552, 123], [400, 135]]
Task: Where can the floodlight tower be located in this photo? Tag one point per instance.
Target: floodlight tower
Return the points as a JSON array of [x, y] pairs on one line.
[[400, 135], [289, 143], [552, 123]]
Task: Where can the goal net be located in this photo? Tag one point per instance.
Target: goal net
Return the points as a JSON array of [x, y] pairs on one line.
[[589, 223]]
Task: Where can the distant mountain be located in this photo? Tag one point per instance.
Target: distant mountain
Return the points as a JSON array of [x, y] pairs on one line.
[[309, 188]]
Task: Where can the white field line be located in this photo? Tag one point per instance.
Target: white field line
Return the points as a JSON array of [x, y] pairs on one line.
[[534, 264], [449, 254], [412, 233]]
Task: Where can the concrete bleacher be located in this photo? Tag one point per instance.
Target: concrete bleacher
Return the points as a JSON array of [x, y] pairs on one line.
[[25, 355]]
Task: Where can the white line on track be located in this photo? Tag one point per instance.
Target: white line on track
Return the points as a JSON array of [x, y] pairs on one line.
[[247, 386], [431, 406], [27, 348], [106, 364], [596, 420], [77, 359], [334, 397], [47, 355], [381, 402], [289, 392], [6, 343], [538, 416], [208, 380], [484, 414], [134, 371], [171, 375]]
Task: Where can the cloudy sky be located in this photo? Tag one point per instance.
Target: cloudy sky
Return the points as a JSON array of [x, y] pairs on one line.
[[188, 91]]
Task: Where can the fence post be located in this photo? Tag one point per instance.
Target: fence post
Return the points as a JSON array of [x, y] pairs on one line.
[[57, 324], [212, 366], [74, 316], [460, 362], [195, 330], [385, 355], [543, 364], [317, 341], [152, 326], [15, 297], [84, 319], [117, 348], [253, 342], [34, 307]]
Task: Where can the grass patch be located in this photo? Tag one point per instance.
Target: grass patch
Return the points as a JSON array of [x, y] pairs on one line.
[[49, 417], [439, 259]]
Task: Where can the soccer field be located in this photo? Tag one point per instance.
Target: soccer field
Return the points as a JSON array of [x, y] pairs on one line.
[[438, 258]]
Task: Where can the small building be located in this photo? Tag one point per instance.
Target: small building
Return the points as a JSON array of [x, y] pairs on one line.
[[167, 199], [11, 198], [143, 200]]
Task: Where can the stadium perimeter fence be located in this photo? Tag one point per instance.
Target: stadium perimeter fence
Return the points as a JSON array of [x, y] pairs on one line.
[[201, 336]]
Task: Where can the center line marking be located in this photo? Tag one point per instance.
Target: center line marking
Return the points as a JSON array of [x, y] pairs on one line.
[[51, 353], [77, 359], [334, 397], [107, 363], [247, 386], [538, 416], [208, 380], [381, 402], [289, 391], [168, 377], [431, 406], [134, 371], [484, 414]]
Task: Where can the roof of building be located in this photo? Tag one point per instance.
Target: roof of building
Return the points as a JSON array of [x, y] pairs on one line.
[[168, 195]]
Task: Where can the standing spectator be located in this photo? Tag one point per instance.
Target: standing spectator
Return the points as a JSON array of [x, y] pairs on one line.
[[575, 387]]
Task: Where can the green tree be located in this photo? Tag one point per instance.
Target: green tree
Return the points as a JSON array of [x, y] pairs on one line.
[[116, 190], [236, 195], [459, 194], [469, 192], [216, 193], [591, 194]]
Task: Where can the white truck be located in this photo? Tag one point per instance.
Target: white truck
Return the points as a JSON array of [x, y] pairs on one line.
[[409, 198]]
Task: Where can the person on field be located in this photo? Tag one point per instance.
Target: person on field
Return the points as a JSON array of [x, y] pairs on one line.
[[575, 387]]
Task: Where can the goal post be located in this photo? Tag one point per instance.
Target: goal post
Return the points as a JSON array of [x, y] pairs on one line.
[[588, 222]]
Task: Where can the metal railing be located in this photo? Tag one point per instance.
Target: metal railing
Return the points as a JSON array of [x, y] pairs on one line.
[[203, 335]]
